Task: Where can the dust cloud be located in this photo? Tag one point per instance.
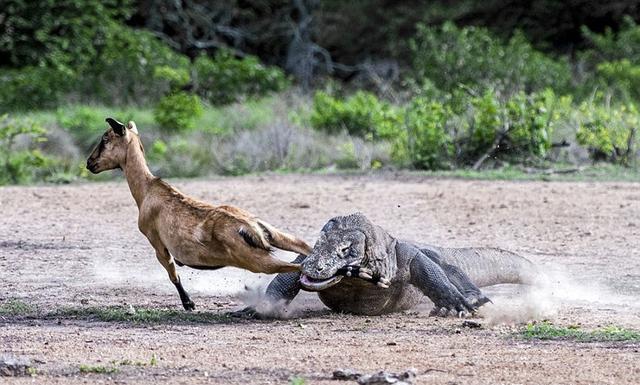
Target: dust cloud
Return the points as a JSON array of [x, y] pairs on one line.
[[547, 298]]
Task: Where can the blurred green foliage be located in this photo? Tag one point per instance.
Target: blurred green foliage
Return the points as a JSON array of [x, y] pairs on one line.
[[462, 96], [225, 79], [178, 111], [361, 114], [20, 161], [452, 130], [609, 132], [450, 56], [426, 141]]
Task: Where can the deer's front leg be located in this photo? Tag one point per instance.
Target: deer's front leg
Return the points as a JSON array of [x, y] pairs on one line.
[[167, 262]]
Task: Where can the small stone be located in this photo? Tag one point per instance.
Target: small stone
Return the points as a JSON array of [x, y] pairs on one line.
[[471, 324]]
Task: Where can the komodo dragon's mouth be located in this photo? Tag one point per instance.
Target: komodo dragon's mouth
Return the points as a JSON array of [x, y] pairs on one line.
[[318, 284]]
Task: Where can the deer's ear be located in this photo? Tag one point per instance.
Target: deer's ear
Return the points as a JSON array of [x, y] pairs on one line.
[[117, 127], [132, 126]]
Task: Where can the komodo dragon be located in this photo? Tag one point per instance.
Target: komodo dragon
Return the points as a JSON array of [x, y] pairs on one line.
[[357, 267]]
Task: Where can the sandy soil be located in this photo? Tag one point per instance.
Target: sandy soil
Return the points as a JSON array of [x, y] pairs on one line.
[[78, 246]]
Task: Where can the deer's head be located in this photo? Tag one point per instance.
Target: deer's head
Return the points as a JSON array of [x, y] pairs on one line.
[[111, 151]]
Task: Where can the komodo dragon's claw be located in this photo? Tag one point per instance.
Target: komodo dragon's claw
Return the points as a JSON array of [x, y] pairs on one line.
[[364, 273]]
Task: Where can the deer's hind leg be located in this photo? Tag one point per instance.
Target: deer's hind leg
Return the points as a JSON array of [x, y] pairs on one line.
[[284, 241], [164, 257]]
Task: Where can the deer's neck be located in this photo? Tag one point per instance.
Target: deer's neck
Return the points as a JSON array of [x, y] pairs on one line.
[[137, 172]]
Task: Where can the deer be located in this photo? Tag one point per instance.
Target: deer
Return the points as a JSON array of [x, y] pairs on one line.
[[185, 231]]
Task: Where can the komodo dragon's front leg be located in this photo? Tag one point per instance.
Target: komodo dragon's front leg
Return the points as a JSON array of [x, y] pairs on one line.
[[433, 281], [284, 287], [459, 279]]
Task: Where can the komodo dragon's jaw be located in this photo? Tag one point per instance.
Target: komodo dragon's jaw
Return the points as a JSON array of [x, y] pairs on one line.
[[349, 271], [318, 284]]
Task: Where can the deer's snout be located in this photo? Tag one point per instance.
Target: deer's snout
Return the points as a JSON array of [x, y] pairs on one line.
[[92, 165]]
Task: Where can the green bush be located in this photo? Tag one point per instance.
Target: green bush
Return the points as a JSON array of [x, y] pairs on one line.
[[225, 79], [450, 56], [519, 129], [178, 111], [129, 67], [612, 46], [361, 114], [610, 133], [33, 87], [120, 72], [20, 163], [486, 122], [56, 33], [621, 76], [426, 142], [610, 63]]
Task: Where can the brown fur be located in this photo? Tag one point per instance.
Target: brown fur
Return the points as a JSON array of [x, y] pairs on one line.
[[181, 228]]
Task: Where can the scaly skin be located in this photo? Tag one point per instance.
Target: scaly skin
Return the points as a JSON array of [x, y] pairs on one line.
[[357, 267]]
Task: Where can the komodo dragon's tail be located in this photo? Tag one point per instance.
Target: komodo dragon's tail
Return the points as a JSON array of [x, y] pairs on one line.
[[488, 266]]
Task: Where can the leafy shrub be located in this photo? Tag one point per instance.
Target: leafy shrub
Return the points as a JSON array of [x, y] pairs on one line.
[[610, 133], [33, 88], [450, 56], [176, 77], [610, 63], [121, 71], [178, 111], [518, 129], [362, 114], [20, 163], [485, 124], [428, 143], [128, 66], [621, 76], [225, 79], [613, 46], [56, 34], [531, 120]]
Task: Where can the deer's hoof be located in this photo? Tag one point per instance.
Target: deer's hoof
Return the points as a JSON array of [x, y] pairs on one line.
[[189, 305]]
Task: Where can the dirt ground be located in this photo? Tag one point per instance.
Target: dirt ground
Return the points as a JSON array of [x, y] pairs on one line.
[[78, 247]]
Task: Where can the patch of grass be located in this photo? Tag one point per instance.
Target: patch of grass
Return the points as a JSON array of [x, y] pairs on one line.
[[548, 331], [297, 381], [16, 307], [100, 369], [153, 361], [598, 172], [140, 315]]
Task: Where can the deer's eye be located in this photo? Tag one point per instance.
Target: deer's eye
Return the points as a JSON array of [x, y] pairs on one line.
[[105, 138]]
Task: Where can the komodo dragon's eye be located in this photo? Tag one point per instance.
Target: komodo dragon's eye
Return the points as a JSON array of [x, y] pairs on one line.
[[345, 250]]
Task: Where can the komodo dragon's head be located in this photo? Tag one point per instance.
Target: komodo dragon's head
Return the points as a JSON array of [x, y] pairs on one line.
[[350, 247]]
